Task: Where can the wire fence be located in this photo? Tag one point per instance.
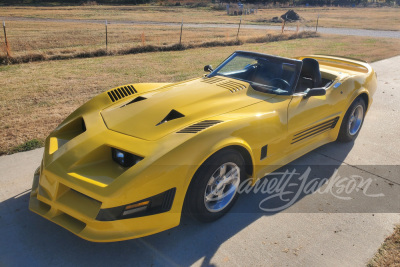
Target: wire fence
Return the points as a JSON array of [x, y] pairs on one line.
[[22, 37]]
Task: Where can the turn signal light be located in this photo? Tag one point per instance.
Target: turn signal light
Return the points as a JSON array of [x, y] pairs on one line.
[[137, 207]]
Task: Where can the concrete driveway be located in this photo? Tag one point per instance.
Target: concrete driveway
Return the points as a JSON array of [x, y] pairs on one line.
[[320, 228]]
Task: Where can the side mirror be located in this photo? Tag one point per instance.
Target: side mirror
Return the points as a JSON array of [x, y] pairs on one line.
[[315, 92], [208, 68]]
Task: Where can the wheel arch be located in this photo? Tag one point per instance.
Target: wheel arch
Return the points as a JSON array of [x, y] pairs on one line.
[[248, 161], [240, 147], [364, 95]]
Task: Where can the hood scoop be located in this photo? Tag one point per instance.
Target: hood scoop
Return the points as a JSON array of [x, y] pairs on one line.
[[200, 126], [137, 99], [172, 115]]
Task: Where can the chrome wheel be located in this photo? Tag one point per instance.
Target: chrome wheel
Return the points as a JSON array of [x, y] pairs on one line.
[[356, 119], [222, 187]]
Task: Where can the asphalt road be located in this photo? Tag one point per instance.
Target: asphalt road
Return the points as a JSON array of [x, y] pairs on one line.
[[338, 31], [320, 228]]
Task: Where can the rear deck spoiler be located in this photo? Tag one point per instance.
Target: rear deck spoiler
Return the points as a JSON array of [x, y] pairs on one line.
[[342, 62]]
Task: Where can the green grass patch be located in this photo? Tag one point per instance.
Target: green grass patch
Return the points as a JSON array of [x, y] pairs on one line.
[[28, 145]]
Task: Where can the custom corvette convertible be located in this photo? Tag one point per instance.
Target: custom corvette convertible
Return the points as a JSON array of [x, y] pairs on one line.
[[131, 160]]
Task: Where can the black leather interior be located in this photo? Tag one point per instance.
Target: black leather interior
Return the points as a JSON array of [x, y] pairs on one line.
[[265, 72], [310, 76]]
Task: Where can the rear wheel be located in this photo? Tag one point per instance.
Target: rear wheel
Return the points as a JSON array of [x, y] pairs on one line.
[[214, 188], [352, 121]]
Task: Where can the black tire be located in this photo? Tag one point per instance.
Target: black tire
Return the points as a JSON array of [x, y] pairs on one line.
[[195, 202], [345, 133]]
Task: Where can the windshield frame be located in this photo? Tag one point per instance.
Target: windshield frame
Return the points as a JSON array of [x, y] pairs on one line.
[[297, 63]]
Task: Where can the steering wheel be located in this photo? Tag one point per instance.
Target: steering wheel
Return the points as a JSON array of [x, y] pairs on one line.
[[278, 82]]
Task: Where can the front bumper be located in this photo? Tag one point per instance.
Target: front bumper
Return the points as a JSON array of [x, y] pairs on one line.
[[77, 213]]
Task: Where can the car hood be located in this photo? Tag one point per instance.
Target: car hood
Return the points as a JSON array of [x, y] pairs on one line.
[[168, 109]]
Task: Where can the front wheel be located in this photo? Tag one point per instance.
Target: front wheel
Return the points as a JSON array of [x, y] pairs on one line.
[[214, 188], [352, 121]]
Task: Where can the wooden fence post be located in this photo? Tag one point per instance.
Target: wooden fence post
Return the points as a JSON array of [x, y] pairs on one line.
[[316, 26], [237, 35], [180, 38], [5, 39], [106, 37], [143, 37]]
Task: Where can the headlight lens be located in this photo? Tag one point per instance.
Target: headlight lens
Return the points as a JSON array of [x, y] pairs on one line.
[[125, 159]]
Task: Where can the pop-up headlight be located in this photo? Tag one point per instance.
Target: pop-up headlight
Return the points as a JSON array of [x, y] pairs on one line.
[[124, 158]]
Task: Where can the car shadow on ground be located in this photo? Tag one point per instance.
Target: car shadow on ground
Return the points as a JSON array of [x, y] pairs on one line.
[[29, 239]]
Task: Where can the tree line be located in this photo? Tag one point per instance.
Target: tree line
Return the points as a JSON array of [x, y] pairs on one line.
[[72, 2], [136, 2]]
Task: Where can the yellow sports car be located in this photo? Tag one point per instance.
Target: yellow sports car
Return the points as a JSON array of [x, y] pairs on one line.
[[127, 163]]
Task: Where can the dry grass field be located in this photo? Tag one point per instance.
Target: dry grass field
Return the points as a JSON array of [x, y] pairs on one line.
[[383, 18], [64, 39], [36, 97], [388, 254], [56, 38]]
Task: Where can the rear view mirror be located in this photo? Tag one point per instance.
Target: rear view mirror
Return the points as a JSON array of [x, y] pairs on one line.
[[208, 68], [315, 92]]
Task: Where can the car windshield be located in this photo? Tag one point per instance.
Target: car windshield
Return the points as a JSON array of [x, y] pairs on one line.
[[265, 73]]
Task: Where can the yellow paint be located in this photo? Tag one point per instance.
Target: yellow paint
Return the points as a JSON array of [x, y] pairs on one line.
[[85, 179], [250, 120]]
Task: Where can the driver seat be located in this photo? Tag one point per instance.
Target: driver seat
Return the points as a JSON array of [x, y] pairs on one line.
[[310, 75]]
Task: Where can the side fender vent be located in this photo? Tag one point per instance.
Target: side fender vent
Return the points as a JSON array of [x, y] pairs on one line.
[[232, 86], [315, 130], [197, 127], [121, 92], [172, 115]]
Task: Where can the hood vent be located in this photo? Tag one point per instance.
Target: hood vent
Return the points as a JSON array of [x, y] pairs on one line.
[[137, 99], [232, 86], [212, 80], [172, 115], [121, 92], [197, 127]]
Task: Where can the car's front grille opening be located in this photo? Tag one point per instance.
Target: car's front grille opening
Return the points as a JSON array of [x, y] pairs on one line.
[[69, 222], [42, 208], [81, 203], [43, 193]]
